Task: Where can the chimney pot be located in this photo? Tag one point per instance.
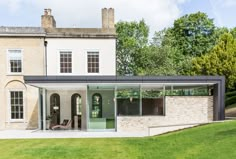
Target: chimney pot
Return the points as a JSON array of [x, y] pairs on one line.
[[47, 20], [108, 18], [45, 12], [49, 11]]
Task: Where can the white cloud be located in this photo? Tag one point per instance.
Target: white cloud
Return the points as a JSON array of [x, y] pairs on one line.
[[221, 10], [223, 3], [228, 3], [157, 13], [214, 5], [12, 5]]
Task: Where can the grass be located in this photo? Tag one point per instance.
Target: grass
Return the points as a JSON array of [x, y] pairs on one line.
[[213, 141]]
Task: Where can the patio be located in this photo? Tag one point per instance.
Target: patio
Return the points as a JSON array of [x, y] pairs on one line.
[[36, 134]]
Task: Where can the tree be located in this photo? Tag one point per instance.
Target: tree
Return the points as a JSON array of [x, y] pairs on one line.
[[169, 59], [194, 34], [221, 60], [156, 61], [132, 40], [233, 32]]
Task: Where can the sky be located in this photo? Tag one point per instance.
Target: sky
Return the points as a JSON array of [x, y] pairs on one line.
[[158, 14]]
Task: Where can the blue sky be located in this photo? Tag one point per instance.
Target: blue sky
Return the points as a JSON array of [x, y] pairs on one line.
[[222, 11], [158, 14]]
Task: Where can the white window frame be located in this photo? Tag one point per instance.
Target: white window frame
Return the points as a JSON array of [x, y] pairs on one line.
[[9, 65], [59, 62], [9, 105], [86, 63]]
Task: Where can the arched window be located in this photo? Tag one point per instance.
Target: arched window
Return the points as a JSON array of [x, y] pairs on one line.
[[55, 108], [76, 103], [16, 97], [76, 108], [96, 106]]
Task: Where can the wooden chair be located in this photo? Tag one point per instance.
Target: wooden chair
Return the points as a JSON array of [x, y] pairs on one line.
[[66, 124]]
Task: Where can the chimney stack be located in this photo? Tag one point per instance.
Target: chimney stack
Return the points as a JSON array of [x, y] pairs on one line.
[[108, 18], [47, 20]]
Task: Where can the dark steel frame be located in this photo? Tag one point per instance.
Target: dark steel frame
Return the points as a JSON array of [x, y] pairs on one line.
[[218, 81]]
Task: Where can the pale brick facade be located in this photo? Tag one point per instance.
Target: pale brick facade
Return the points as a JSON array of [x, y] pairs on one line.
[[33, 63], [178, 110]]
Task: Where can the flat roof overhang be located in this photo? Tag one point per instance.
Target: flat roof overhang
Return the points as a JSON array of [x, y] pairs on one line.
[[123, 79], [75, 82], [80, 82]]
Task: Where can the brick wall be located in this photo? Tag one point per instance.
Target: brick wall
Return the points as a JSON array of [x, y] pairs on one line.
[[178, 110]]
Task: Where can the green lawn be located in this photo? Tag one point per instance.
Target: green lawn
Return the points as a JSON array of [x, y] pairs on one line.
[[215, 141]]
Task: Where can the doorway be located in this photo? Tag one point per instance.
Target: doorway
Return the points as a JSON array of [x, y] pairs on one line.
[[101, 106], [76, 111], [55, 108]]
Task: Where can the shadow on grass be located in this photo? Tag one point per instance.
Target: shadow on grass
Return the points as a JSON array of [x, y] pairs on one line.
[[227, 132]]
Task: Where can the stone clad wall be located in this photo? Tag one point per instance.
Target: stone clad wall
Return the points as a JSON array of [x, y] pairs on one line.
[[178, 110], [33, 55], [210, 109]]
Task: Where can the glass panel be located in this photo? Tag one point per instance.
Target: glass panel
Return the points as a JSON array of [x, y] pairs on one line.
[[15, 60], [78, 105], [101, 107], [128, 100], [54, 109], [152, 100], [96, 106], [16, 104], [188, 90], [93, 62], [65, 62]]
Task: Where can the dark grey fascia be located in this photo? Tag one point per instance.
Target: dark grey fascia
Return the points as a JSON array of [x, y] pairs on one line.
[[123, 79]]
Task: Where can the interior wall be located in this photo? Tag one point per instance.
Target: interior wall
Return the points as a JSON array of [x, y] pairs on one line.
[[65, 104]]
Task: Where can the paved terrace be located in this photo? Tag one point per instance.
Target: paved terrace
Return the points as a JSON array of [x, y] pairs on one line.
[[36, 134]]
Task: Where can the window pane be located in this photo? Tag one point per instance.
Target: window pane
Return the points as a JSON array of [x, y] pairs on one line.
[[152, 106], [16, 98], [128, 106], [190, 90], [21, 115], [128, 100], [96, 106], [153, 100], [15, 60], [93, 62], [65, 62]]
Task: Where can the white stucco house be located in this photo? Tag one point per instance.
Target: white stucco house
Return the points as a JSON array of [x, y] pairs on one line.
[[73, 77]]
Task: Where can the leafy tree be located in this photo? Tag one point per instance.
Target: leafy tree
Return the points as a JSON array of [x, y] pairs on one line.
[[233, 32], [194, 34], [221, 60], [156, 61], [132, 40], [174, 63]]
